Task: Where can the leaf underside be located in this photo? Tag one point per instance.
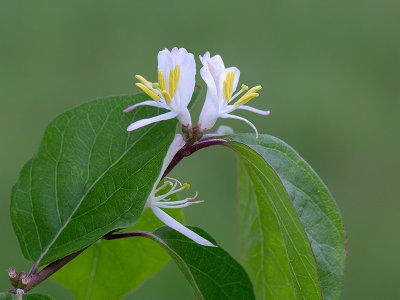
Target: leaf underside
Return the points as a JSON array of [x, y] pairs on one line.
[[275, 251]]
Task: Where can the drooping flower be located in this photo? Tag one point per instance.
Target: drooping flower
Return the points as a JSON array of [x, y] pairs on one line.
[[174, 89], [221, 86], [156, 201]]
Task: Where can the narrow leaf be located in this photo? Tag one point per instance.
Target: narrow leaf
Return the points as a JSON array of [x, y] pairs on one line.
[[275, 248], [314, 205]]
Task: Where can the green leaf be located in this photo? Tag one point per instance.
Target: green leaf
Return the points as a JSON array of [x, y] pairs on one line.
[[274, 246], [314, 205], [7, 296], [89, 177], [110, 269], [211, 271]]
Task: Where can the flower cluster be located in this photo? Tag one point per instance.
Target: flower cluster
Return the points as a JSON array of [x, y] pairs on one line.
[[173, 92], [175, 86]]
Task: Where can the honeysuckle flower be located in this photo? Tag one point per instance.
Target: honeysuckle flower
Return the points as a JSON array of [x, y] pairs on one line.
[[155, 201], [221, 86], [174, 89]]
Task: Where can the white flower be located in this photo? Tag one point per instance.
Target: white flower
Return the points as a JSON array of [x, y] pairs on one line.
[[174, 89], [157, 202], [221, 84]]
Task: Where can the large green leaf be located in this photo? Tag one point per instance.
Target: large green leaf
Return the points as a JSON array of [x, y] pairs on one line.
[[313, 203], [89, 177], [110, 269], [275, 248], [7, 296], [211, 271]]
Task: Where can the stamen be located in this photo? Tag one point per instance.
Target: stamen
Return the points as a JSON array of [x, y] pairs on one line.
[[166, 95], [225, 91], [250, 94], [171, 83], [246, 98], [243, 88], [176, 77], [232, 77], [161, 80], [148, 91], [143, 80]]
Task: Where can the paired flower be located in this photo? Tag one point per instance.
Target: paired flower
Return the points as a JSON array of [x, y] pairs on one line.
[[175, 86], [221, 84], [174, 89], [156, 201]]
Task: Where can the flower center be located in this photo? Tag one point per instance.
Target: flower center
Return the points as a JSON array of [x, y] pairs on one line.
[[227, 89], [156, 90]]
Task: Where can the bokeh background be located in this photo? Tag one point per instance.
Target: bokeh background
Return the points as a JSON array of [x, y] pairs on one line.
[[330, 72]]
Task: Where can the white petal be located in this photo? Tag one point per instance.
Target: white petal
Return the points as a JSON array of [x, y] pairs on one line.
[[165, 63], [187, 76], [254, 110], [148, 103], [228, 116], [184, 117], [217, 63], [171, 222], [144, 122], [236, 78], [210, 111], [175, 146]]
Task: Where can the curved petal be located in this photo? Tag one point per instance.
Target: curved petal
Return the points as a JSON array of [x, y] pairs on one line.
[[144, 122], [171, 222], [184, 116], [228, 116], [165, 63], [186, 83], [254, 110], [147, 103], [210, 111]]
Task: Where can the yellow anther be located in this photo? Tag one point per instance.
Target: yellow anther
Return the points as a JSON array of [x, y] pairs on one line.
[[225, 91], [148, 91], [246, 98], [176, 78], [171, 83], [167, 97], [186, 186], [255, 89], [161, 80], [143, 80], [230, 83]]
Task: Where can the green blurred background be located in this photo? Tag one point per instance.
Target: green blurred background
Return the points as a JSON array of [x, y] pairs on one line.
[[330, 72]]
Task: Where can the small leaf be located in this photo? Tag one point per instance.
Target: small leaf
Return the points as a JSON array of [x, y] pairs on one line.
[[275, 248], [313, 203], [110, 269], [89, 177], [211, 271], [7, 296]]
